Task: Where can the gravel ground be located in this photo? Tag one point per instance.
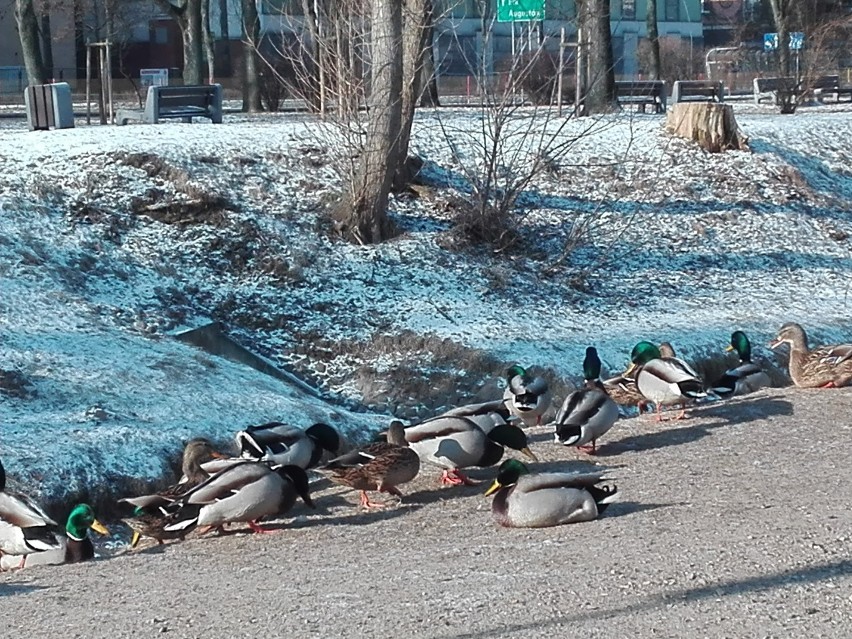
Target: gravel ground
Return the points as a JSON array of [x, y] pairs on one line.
[[733, 523]]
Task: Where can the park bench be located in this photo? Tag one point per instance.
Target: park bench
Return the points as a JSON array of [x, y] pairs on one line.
[[688, 90], [829, 84], [642, 92], [772, 88], [180, 102]]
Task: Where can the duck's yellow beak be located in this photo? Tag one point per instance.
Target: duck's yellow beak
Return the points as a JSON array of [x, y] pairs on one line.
[[729, 348], [526, 451], [99, 528], [630, 369], [493, 488], [134, 539], [218, 455]]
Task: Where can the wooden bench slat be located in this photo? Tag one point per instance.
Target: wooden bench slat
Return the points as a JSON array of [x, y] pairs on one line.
[[184, 102]]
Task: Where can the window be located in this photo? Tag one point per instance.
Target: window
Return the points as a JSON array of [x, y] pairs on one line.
[[277, 7], [628, 9], [560, 10], [458, 8], [673, 10]]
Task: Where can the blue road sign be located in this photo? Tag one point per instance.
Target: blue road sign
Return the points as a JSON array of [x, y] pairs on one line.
[[797, 40], [770, 41]]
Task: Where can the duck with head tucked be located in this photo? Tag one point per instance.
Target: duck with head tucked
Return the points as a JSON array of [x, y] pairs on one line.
[[745, 378], [284, 444], [72, 547], [587, 413], [666, 381], [527, 397], [821, 367], [24, 526], [527, 500], [381, 466], [455, 443]]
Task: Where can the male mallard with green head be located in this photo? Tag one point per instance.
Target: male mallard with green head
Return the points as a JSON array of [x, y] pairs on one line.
[[745, 378], [527, 397], [587, 413], [381, 466], [455, 443], [526, 500], [822, 367], [666, 381], [74, 546]]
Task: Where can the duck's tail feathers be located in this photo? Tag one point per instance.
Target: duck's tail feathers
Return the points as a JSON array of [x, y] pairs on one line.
[[603, 495], [567, 434], [185, 521], [249, 448], [692, 388]]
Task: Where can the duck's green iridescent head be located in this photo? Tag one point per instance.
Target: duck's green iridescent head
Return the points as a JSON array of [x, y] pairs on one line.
[[740, 343], [591, 364], [80, 520], [507, 475], [644, 352], [515, 370], [513, 437]]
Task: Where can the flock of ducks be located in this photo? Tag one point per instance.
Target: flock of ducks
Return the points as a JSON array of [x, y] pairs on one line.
[[270, 473]]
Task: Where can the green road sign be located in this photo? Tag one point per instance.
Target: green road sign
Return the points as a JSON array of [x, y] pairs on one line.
[[520, 10]]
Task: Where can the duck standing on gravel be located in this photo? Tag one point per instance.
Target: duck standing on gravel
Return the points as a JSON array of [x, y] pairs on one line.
[[822, 367], [74, 546], [381, 466], [526, 397], [526, 500], [587, 413], [455, 443], [745, 378], [24, 526], [283, 444], [666, 381]]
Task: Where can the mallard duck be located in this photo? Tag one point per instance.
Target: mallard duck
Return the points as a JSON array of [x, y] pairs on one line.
[[527, 397], [587, 413], [525, 500], [822, 367], [664, 380], [284, 445], [380, 466], [455, 443], [24, 526], [244, 492], [486, 415], [745, 378], [74, 546], [149, 509]]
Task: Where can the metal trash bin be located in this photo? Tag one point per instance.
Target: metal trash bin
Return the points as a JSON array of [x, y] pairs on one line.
[[49, 105]]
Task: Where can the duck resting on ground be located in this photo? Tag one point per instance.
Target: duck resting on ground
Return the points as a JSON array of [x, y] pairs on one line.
[[283, 444], [745, 378], [526, 500], [526, 397], [587, 413], [455, 443], [24, 526], [380, 466], [822, 367], [666, 381], [73, 546]]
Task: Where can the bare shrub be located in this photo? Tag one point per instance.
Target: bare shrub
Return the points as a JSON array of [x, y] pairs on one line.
[[678, 62]]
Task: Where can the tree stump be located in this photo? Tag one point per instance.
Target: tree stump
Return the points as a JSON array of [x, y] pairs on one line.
[[710, 124]]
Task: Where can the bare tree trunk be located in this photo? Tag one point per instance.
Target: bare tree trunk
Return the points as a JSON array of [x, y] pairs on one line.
[[207, 39], [416, 18], [223, 56], [25, 16], [46, 39], [781, 10], [653, 40], [364, 218], [251, 42], [600, 94], [188, 16], [428, 78]]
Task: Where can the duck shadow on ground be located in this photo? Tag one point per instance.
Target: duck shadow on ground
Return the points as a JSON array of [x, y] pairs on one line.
[[728, 413], [10, 590], [627, 508]]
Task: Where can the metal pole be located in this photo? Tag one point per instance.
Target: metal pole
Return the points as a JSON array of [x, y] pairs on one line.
[[109, 81], [88, 84], [559, 70], [102, 73], [580, 79]]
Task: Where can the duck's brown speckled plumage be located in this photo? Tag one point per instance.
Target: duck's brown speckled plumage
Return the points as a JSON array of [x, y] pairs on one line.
[[823, 366]]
